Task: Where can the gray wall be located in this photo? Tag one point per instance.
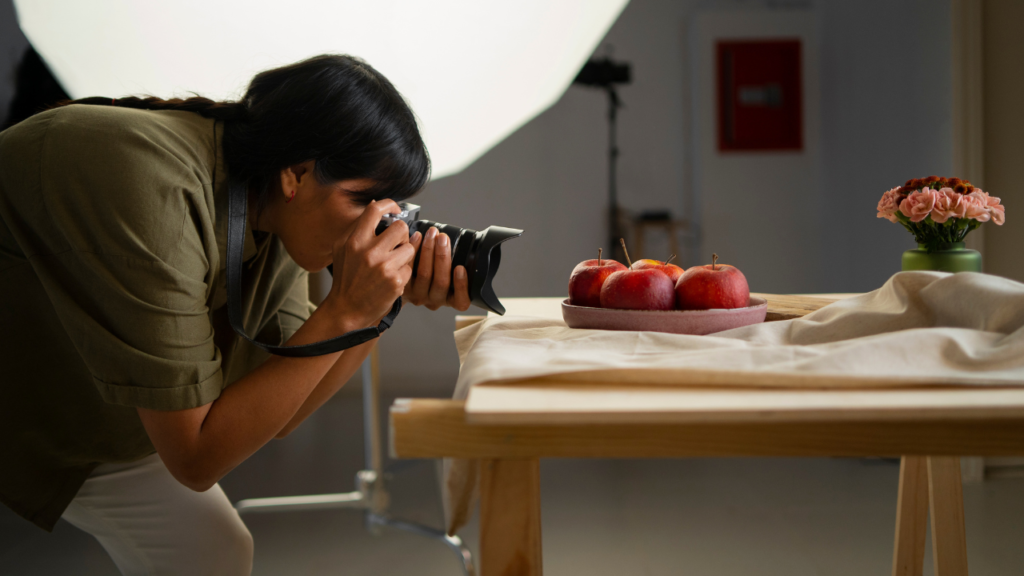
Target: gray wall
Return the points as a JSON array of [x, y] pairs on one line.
[[12, 46], [757, 210], [549, 178], [1003, 52], [885, 117]]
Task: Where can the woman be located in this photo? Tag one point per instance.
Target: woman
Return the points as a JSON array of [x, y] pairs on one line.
[[116, 343]]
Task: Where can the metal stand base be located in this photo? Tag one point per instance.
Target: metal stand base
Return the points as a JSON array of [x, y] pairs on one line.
[[453, 542], [371, 494]]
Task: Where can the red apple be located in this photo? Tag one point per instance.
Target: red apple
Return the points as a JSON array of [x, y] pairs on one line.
[[712, 286], [671, 270], [588, 277], [647, 289], [632, 289]]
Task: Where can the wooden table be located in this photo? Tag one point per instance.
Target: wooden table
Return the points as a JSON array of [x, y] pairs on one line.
[[509, 428]]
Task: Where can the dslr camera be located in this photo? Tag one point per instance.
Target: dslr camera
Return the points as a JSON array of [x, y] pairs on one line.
[[479, 252]]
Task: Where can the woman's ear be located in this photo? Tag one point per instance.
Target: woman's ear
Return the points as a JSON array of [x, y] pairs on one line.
[[296, 177]]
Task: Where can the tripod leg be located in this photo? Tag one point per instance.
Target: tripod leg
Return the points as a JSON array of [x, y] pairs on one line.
[[372, 444], [453, 542], [371, 413], [376, 518]]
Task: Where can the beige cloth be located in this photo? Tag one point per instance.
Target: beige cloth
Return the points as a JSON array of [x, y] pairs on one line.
[[920, 328]]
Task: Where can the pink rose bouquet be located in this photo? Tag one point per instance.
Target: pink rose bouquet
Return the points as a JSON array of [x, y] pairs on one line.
[[940, 211]]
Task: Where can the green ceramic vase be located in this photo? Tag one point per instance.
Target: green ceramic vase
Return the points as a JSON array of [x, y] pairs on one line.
[[949, 258]]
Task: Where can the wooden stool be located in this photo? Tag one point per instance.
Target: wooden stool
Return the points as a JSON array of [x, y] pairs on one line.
[[672, 228]]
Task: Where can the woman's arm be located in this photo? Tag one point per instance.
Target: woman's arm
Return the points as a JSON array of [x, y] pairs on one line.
[[200, 445], [329, 385], [432, 287]]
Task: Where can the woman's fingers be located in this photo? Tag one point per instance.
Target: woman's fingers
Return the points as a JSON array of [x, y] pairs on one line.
[[366, 225], [425, 271], [373, 270], [402, 258], [435, 285], [459, 298], [438, 294], [416, 241], [394, 236]]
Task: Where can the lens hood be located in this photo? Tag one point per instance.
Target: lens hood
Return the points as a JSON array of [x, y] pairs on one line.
[[487, 258], [479, 252]]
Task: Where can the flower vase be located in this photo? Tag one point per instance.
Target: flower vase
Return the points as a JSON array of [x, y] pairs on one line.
[[953, 257]]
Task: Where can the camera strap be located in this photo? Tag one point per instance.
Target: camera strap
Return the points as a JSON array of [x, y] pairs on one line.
[[237, 205]]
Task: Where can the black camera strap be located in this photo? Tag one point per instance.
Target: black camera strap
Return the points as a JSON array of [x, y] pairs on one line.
[[237, 205]]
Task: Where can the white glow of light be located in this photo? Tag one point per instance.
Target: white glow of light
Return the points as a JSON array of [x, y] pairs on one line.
[[473, 70]]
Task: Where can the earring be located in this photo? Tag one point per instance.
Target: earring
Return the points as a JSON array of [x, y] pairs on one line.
[[291, 198]]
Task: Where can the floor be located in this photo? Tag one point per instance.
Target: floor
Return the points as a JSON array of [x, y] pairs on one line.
[[721, 517]]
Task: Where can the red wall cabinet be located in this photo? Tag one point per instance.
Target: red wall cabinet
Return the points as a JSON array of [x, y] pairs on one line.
[[759, 95]]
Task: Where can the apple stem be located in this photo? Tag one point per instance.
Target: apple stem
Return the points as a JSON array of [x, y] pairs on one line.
[[670, 259], [626, 252], [714, 260], [599, 251]]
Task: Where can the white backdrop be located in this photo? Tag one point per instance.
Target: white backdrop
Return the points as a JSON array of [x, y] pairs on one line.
[[474, 72]]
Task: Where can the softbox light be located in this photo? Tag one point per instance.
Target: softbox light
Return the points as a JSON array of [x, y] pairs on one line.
[[474, 71]]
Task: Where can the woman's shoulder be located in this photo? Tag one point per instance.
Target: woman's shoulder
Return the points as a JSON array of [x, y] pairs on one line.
[[162, 137], [120, 142], [115, 180]]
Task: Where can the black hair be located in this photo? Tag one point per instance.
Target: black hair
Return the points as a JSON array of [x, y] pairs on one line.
[[333, 109]]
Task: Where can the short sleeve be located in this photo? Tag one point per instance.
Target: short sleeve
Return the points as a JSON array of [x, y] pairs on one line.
[[142, 329], [127, 254]]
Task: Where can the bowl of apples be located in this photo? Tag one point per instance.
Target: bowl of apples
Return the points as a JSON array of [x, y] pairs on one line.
[[650, 295]]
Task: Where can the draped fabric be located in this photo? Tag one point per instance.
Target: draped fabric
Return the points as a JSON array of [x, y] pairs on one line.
[[919, 329]]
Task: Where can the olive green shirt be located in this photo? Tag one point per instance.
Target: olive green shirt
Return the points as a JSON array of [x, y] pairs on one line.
[[113, 226]]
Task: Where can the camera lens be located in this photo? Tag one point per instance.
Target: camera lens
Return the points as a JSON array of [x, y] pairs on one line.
[[479, 252]]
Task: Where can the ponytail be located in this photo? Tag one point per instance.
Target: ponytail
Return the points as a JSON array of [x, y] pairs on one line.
[[227, 111], [333, 109]]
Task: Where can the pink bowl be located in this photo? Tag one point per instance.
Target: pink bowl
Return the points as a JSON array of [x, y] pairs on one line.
[[697, 322]]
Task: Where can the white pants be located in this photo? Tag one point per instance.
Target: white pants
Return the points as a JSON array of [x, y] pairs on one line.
[[150, 524]]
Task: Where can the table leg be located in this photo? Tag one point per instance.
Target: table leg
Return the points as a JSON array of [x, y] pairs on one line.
[[911, 517], [949, 538], [510, 542]]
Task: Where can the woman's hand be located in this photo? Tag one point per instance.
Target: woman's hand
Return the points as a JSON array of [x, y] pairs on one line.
[[370, 271], [432, 287]]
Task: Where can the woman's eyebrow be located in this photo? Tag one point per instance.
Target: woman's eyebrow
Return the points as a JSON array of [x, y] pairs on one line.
[[358, 190]]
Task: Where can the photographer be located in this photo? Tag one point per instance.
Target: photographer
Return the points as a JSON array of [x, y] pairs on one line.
[[116, 340]]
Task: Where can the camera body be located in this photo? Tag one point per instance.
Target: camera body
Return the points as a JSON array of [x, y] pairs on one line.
[[479, 252], [410, 214]]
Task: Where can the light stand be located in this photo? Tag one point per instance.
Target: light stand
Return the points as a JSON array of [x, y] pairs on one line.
[[371, 493], [606, 74], [614, 229]]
